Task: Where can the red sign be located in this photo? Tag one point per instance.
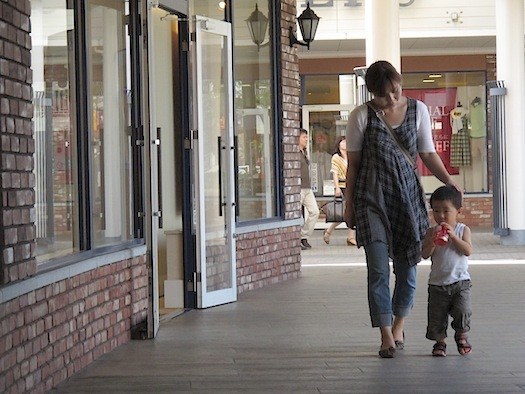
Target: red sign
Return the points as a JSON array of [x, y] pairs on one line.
[[439, 103]]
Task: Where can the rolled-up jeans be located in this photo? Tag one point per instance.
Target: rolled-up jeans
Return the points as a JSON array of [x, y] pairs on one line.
[[381, 305]]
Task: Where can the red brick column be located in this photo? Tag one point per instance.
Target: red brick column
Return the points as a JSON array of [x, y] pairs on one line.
[[17, 232], [291, 90]]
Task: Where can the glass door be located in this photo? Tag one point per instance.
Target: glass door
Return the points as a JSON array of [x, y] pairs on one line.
[[324, 124], [214, 157]]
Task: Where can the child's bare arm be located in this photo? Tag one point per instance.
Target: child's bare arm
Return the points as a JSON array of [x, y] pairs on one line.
[[428, 243], [463, 245]]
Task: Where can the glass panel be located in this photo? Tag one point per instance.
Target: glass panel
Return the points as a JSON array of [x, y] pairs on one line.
[[253, 116], [324, 128], [52, 59], [321, 89], [457, 106], [211, 8], [214, 97], [110, 140]]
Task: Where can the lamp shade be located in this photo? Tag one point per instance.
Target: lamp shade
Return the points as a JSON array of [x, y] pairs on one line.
[[308, 22], [257, 25]]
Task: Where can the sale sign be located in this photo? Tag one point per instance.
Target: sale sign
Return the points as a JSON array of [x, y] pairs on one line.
[[439, 102]]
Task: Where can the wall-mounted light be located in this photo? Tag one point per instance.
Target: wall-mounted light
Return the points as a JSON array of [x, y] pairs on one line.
[[257, 24], [308, 22]]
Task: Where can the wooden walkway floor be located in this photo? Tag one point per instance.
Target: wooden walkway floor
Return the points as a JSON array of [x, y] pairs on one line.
[[313, 335]]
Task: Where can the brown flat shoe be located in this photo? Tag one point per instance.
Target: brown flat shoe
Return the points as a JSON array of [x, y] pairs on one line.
[[400, 345], [387, 352], [351, 242]]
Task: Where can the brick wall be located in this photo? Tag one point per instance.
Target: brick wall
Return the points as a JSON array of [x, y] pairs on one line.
[[17, 232], [270, 256], [475, 213], [267, 257], [50, 333]]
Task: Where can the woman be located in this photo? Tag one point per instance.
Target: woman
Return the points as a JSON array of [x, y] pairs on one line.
[[338, 170], [385, 200]]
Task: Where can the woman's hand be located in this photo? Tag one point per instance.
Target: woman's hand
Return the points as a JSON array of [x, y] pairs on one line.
[[436, 167], [338, 192], [354, 162], [349, 214], [428, 243]]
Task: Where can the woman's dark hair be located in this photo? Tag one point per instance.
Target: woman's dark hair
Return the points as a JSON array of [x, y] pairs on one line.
[[446, 193], [337, 142], [380, 78]]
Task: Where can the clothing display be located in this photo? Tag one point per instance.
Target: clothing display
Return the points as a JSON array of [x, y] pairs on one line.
[[460, 149], [460, 140], [458, 118], [478, 128]]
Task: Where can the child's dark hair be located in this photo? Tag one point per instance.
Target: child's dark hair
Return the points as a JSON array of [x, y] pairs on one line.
[[447, 193]]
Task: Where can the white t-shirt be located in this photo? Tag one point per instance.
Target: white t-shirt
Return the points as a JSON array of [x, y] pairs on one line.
[[357, 122]]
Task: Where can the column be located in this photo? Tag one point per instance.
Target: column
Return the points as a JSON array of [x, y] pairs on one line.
[[382, 32], [511, 69]]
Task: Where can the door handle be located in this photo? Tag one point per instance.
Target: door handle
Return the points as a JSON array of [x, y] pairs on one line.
[[219, 143], [159, 174]]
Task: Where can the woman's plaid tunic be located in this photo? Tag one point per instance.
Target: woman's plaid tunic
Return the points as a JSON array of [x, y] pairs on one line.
[[389, 202]]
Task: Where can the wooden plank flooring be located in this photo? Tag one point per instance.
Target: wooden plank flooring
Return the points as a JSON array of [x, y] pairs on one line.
[[313, 335]]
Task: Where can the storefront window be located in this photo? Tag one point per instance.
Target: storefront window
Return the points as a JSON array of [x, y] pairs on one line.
[[327, 102], [52, 59], [60, 134], [457, 105], [254, 124], [320, 89], [109, 107]]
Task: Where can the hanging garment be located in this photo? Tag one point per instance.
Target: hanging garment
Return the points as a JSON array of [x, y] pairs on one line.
[[460, 149]]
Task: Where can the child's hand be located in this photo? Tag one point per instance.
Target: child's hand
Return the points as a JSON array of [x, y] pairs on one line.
[[447, 226], [449, 229]]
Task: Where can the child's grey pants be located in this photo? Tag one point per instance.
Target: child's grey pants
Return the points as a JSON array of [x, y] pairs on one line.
[[453, 300]]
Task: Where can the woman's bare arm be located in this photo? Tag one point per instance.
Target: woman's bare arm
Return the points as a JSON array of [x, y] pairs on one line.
[[354, 162]]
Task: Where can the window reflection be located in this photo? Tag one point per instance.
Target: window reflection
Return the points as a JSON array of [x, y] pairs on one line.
[[52, 58], [110, 137], [253, 118]]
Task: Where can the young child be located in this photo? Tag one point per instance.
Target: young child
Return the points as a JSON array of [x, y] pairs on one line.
[[449, 281]]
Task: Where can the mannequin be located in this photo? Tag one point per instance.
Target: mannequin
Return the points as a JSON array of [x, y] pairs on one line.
[[460, 141], [478, 144], [458, 118]]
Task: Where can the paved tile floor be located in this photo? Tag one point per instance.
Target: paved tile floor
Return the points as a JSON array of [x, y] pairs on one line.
[[313, 335]]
